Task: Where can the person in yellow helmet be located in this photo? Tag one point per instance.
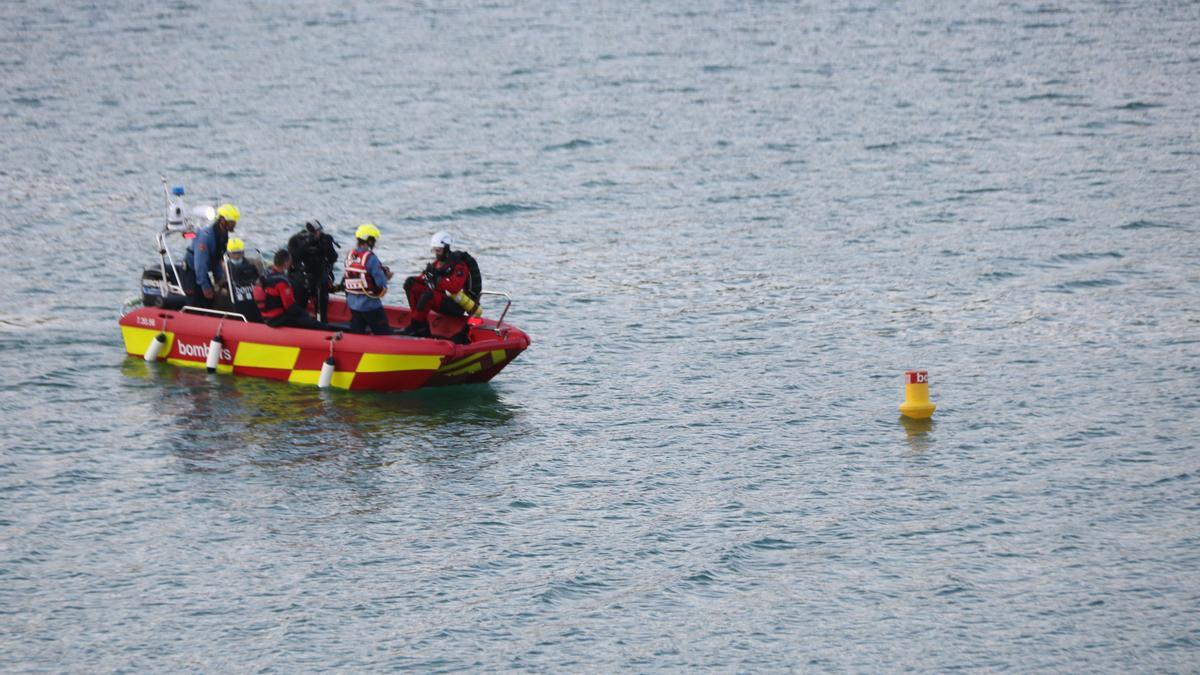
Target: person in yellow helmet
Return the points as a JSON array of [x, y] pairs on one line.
[[242, 274], [204, 256], [365, 280]]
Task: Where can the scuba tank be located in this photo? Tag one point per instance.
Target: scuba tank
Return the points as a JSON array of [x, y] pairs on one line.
[[468, 305]]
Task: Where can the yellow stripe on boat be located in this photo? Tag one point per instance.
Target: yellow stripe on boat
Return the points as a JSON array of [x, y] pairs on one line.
[[472, 364], [221, 367], [390, 363], [255, 355], [340, 380], [138, 339], [461, 364], [469, 369]]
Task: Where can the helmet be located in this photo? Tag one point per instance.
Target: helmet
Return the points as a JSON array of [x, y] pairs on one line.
[[236, 245], [366, 231], [441, 240], [229, 212]]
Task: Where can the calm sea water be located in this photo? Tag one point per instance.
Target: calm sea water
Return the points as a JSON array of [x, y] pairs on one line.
[[729, 228]]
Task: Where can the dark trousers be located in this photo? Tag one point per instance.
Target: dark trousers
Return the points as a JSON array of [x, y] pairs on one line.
[[296, 317], [313, 289], [248, 309], [320, 296], [375, 319]]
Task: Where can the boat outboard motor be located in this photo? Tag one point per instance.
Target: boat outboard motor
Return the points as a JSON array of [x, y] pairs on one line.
[[157, 294]]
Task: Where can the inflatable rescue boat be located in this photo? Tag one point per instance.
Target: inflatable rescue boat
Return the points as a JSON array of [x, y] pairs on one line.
[[226, 342], [164, 328]]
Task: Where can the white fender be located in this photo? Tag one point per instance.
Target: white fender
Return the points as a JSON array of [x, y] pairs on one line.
[[155, 347], [326, 377], [214, 353]]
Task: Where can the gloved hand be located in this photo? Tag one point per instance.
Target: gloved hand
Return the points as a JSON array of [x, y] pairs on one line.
[[387, 271]]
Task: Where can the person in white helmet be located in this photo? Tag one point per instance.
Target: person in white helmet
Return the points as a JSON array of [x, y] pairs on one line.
[[449, 282]]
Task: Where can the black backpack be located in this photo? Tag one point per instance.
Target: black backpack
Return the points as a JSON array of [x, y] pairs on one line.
[[475, 286]]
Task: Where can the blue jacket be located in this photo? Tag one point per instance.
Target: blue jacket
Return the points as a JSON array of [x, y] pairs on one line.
[[363, 303], [205, 254]]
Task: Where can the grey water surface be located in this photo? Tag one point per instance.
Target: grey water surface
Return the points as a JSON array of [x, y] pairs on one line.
[[729, 228]]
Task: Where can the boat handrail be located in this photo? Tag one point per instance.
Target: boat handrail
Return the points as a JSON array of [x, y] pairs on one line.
[[166, 261], [129, 305], [507, 305], [216, 312], [228, 279]]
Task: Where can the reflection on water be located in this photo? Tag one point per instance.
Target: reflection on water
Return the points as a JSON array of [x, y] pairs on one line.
[[220, 417], [138, 369], [718, 296], [918, 433]]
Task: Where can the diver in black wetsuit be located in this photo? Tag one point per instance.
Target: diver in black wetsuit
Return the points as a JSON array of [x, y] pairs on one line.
[[313, 256]]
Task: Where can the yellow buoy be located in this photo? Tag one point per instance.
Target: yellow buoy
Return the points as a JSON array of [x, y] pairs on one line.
[[916, 396]]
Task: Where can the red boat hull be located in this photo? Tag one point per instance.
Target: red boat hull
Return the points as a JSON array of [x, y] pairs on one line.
[[361, 362]]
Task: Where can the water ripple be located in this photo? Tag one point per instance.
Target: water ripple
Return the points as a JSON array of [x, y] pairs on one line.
[[730, 230]]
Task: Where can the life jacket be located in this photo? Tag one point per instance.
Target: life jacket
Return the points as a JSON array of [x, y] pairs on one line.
[[474, 285], [266, 294], [356, 278]]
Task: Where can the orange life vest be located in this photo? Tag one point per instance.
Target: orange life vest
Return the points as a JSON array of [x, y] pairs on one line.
[[357, 280]]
